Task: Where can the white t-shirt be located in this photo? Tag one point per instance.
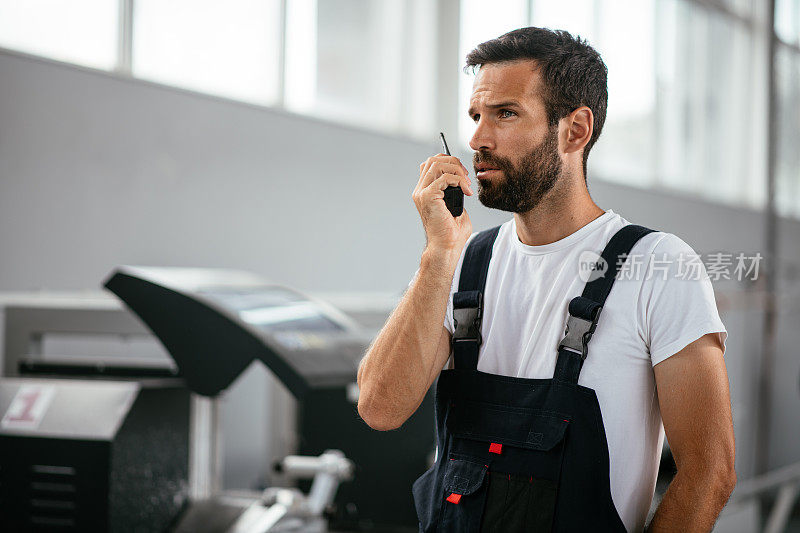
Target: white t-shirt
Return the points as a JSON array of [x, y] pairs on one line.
[[653, 311]]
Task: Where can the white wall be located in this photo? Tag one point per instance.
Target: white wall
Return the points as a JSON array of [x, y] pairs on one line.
[[97, 171]]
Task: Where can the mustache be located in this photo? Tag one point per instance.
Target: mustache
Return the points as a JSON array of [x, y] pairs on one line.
[[496, 161]]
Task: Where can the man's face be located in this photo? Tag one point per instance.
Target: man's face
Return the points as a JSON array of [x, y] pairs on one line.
[[516, 156]]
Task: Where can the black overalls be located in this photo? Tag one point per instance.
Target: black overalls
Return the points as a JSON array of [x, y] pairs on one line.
[[517, 454]]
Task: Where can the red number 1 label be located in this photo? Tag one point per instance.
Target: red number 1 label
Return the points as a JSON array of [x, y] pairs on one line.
[[28, 407]]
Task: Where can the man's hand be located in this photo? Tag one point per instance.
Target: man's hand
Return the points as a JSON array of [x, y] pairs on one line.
[[443, 230], [696, 409]]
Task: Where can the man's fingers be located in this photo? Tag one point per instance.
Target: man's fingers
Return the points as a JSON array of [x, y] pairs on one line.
[[436, 188], [453, 160], [449, 180], [440, 158], [439, 168], [454, 180]]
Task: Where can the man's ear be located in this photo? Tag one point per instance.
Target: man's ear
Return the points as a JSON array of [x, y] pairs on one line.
[[579, 126]]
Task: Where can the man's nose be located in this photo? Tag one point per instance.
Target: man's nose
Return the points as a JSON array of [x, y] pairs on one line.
[[483, 138]]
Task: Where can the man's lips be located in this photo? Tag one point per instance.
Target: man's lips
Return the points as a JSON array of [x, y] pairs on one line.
[[485, 172]]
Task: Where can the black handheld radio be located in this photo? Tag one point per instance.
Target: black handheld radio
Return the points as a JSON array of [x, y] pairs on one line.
[[453, 196]]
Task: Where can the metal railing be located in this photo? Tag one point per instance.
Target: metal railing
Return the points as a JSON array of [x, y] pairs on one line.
[[785, 480]]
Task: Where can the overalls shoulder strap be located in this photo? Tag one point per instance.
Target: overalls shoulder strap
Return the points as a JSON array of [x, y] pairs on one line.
[[584, 310], [468, 300]]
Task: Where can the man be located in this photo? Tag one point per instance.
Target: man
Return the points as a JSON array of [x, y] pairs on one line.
[[539, 430]]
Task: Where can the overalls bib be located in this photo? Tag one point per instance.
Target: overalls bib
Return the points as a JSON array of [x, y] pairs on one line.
[[518, 454]]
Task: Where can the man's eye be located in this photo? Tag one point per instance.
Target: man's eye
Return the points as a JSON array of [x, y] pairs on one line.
[[505, 113]]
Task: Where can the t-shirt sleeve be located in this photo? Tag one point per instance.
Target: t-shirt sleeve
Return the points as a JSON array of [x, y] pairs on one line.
[[676, 304]]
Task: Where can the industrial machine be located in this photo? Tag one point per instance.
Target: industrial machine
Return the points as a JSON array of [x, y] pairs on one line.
[[88, 455], [213, 324]]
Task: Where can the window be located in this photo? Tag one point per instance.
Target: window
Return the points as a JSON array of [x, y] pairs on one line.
[[78, 31], [301, 55], [787, 164], [230, 48], [705, 104], [787, 21], [625, 151], [361, 62]]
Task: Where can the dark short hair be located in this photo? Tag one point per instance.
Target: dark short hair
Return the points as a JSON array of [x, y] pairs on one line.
[[573, 73]]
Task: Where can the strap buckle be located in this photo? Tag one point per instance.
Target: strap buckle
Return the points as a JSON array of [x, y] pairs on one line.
[[578, 332], [467, 322]]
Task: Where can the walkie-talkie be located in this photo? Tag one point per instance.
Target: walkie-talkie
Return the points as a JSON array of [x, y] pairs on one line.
[[453, 196]]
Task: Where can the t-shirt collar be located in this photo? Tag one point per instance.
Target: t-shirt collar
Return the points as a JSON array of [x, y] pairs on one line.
[[560, 244]]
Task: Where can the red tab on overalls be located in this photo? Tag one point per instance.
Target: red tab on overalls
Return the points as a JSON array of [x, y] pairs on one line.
[[496, 448], [454, 498]]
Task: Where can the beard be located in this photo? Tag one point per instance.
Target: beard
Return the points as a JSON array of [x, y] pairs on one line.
[[525, 184]]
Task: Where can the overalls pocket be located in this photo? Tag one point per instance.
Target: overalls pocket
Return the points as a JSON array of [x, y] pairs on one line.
[[523, 448], [516, 504], [464, 495]]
